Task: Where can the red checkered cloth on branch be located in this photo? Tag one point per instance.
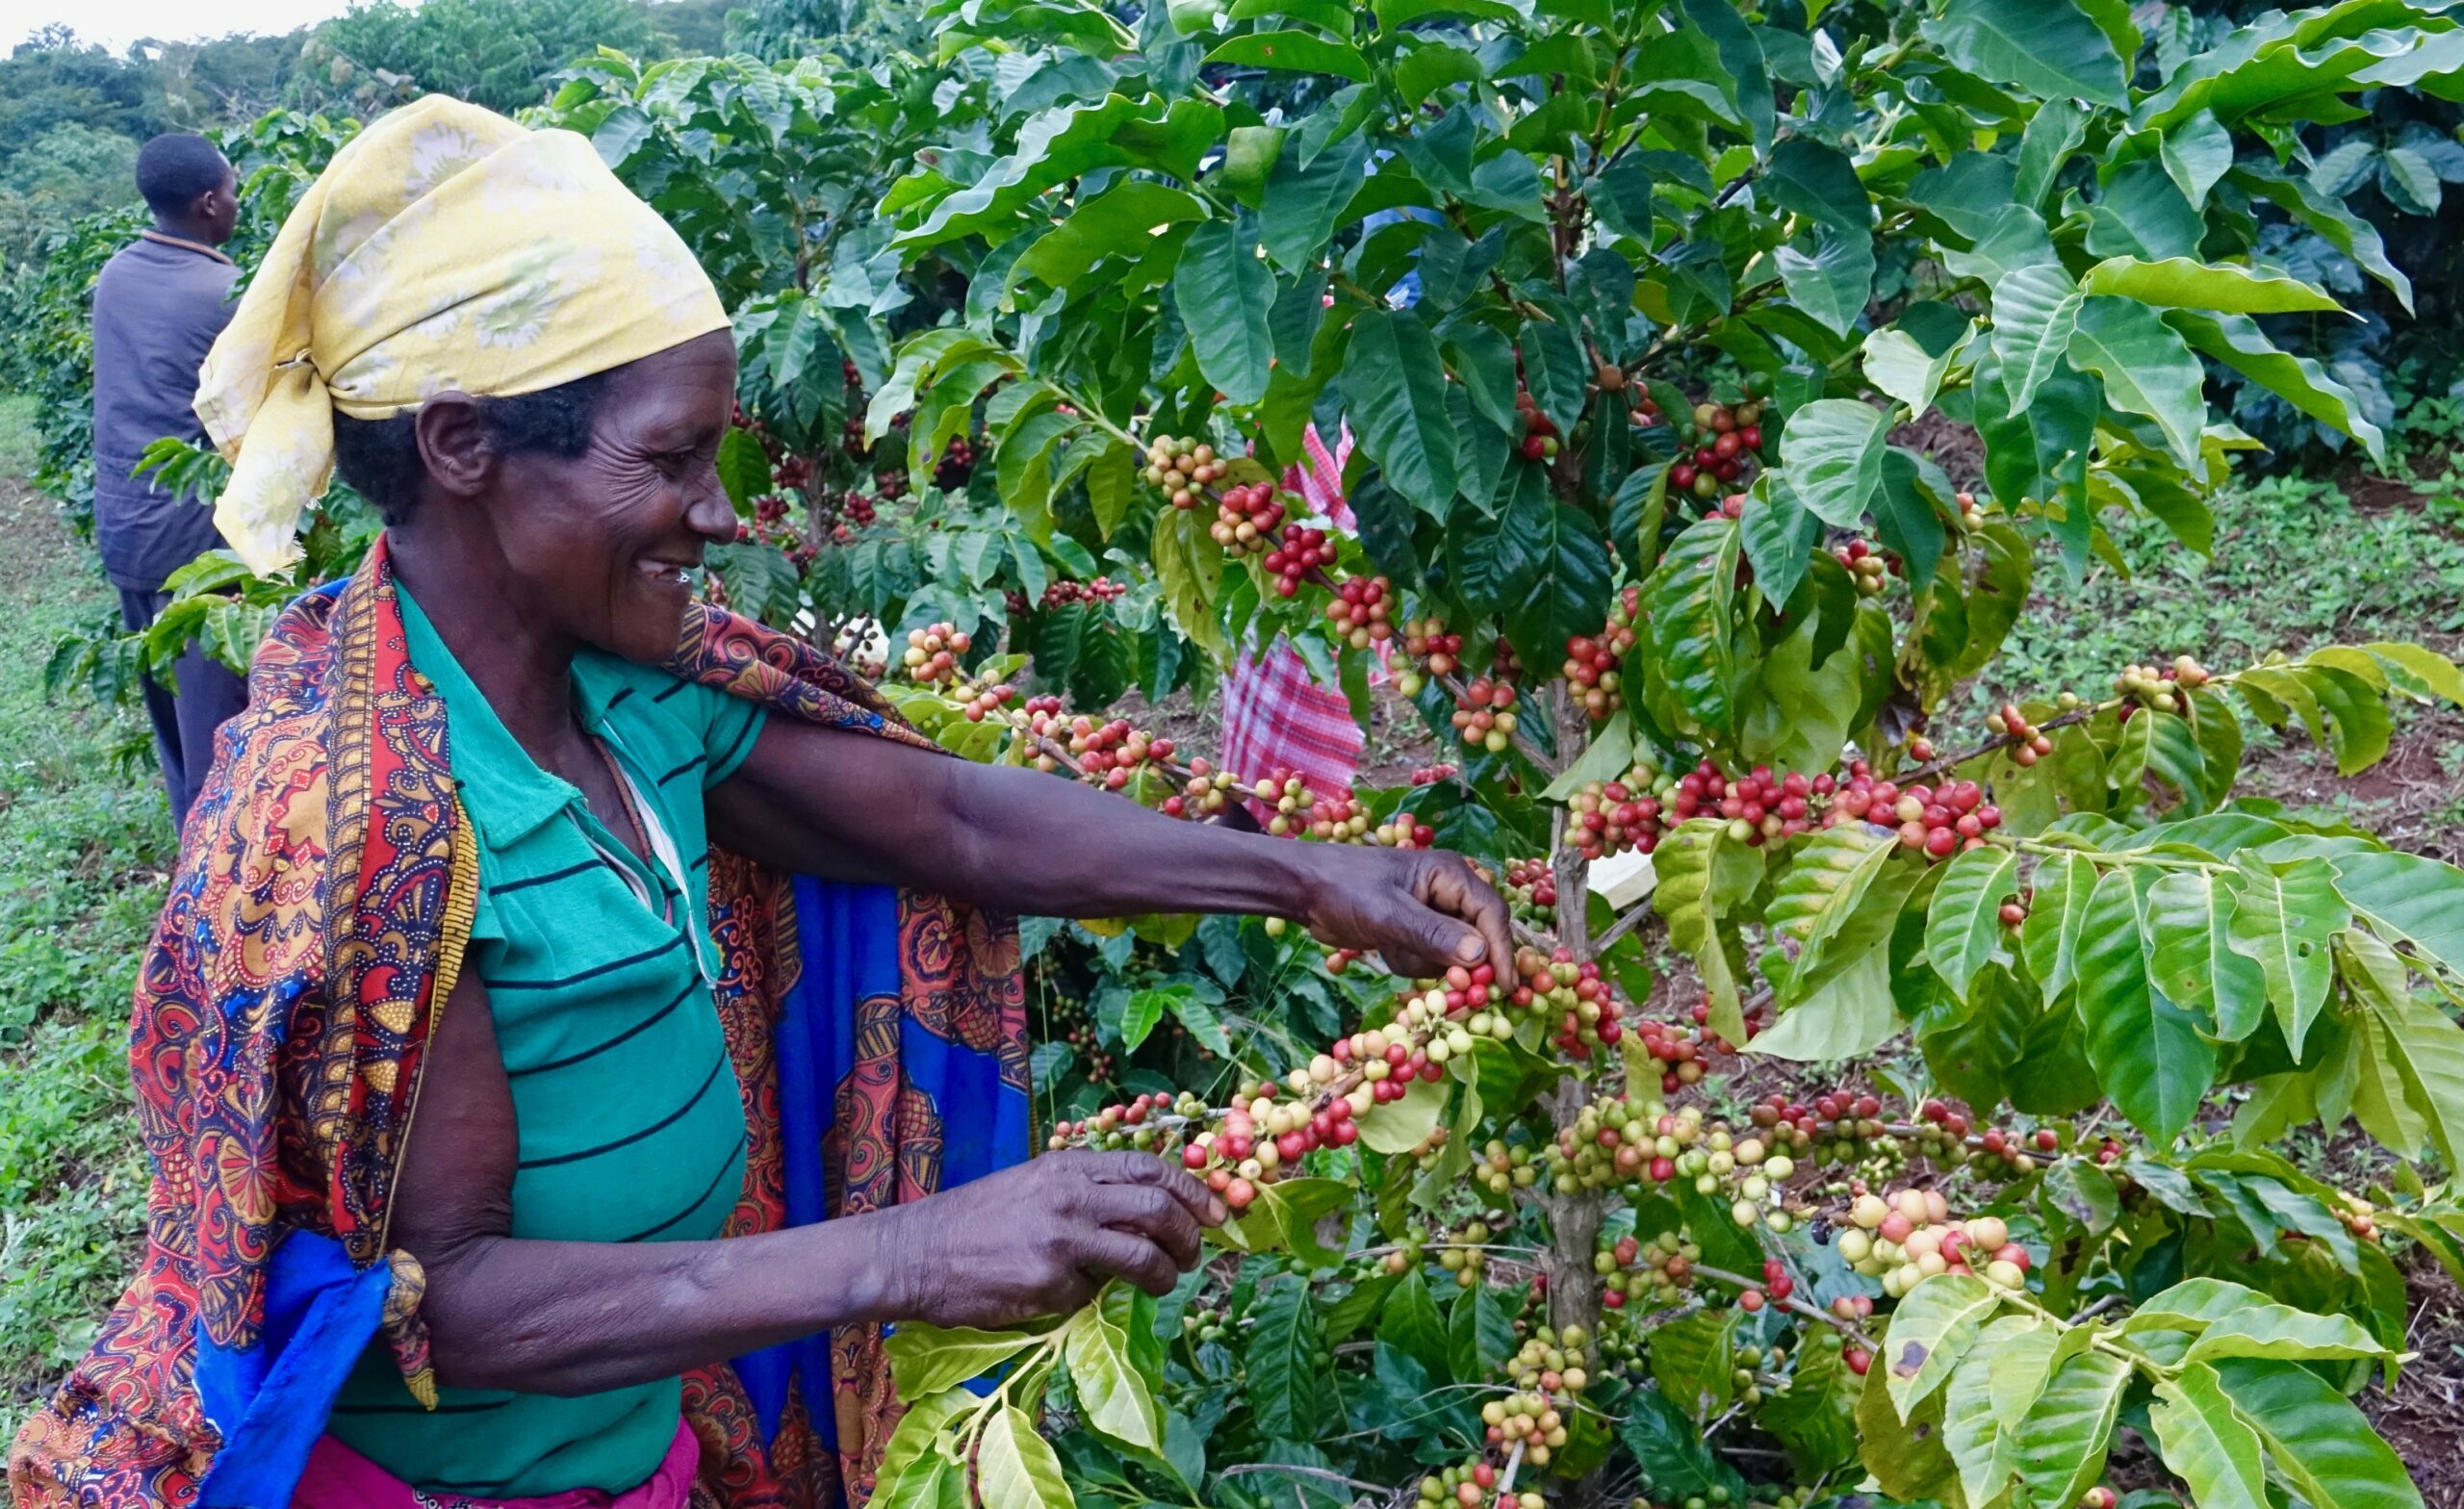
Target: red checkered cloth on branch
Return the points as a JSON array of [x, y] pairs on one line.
[[1276, 716]]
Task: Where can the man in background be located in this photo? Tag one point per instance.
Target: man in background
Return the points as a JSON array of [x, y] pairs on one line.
[[158, 307]]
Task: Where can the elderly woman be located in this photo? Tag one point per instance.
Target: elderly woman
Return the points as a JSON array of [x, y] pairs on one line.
[[685, 952]]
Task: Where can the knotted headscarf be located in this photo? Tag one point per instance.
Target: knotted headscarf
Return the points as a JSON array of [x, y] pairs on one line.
[[445, 248]]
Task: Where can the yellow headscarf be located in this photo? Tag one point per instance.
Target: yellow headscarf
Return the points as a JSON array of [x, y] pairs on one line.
[[443, 248]]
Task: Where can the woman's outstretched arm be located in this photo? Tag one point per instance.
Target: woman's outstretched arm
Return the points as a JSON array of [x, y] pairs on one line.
[[823, 802]]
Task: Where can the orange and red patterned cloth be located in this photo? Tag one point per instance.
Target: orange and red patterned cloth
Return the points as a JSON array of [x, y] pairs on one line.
[[315, 926]]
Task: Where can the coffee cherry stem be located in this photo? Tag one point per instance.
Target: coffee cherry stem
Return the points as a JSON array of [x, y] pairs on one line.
[[1794, 1304]]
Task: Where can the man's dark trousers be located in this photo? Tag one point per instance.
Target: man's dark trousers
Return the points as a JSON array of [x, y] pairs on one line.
[[210, 692]]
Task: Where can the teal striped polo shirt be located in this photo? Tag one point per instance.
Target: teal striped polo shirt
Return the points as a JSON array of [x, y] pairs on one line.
[[596, 965]]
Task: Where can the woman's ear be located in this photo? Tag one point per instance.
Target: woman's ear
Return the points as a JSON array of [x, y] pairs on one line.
[[454, 445]]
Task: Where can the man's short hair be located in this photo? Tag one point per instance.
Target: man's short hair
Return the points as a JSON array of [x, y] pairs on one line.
[[174, 170]]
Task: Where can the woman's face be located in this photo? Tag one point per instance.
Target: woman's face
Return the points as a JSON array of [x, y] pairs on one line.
[[600, 543]]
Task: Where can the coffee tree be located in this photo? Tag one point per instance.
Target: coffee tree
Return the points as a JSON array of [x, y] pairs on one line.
[[1632, 309]]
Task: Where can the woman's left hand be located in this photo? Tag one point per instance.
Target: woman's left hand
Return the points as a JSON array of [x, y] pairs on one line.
[[1422, 911]]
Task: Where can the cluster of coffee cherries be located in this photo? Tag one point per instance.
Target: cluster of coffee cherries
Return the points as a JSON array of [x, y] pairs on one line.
[[1620, 1141], [1867, 565], [1262, 1140], [1722, 440], [1530, 887], [1107, 754], [1501, 1169], [932, 653], [1456, 1012], [1246, 518], [1606, 817], [1582, 1006], [1144, 1124], [1855, 1309], [1403, 830], [984, 702], [1431, 774], [2358, 1215], [1207, 792], [1302, 550], [2029, 743], [1434, 650], [1286, 802], [1390, 1063], [1103, 589], [1533, 1416], [1539, 441], [1474, 1484], [1462, 1251], [1778, 1285], [1357, 615], [1202, 1325], [1909, 1236], [956, 466], [1067, 1021], [1484, 714], [1684, 1053], [1591, 659], [1936, 821], [1761, 806], [1178, 466], [2147, 686], [1658, 1271]]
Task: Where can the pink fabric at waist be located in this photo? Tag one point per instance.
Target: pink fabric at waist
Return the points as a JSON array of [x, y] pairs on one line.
[[337, 1477]]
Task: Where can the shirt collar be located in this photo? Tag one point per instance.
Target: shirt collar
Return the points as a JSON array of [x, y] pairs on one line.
[[505, 791], [159, 239]]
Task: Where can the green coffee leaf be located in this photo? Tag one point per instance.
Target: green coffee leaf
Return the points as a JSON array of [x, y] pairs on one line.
[[2048, 47], [1832, 450], [1964, 922], [2145, 369], [2409, 899], [2283, 918], [2036, 309], [1395, 385], [2322, 1444], [1287, 1365], [1688, 601], [1224, 293], [1971, 1428], [1112, 1394], [2206, 1443], [1014, 1466], [1933, 1328], [2060, 1444], [926, 1359], [2185, 283], [1685, 862], [2147, 1051], [2056, 918], [2191, 957], [1296, 51]]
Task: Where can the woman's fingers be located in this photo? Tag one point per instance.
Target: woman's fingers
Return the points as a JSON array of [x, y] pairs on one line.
[[1134, 1258], [1450, 886], [1147, 1211], [1145, 1168]]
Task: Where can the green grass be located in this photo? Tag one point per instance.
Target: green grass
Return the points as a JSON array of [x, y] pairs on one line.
[[2296, 564], [84, 849], [16, 434]]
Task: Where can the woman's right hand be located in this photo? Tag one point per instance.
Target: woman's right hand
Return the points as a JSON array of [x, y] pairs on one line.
[[1041, 1239]]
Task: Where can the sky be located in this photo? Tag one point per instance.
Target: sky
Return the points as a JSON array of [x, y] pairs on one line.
[[116, 24]]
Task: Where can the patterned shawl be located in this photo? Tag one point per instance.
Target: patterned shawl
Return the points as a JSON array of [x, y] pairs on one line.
[[315, 926]]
